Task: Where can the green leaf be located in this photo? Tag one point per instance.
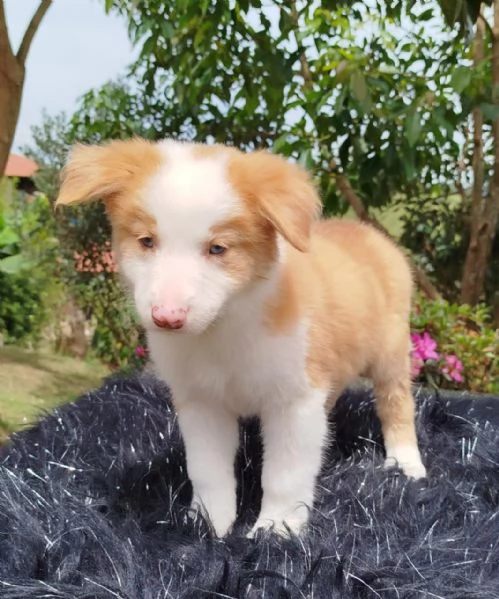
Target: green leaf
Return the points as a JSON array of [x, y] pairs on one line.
[[8, 237], [343, 70], [344, 152], [460, 79], [490, 111], [409, 168], [359, 146], [426, 15], [412, 128], [280, 143], [14, 264], [306, 159], [439, 117], [359, 89], [167, 30]]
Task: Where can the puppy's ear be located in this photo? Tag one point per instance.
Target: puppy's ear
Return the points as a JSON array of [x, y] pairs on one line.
[[106, 171], [283, 193]]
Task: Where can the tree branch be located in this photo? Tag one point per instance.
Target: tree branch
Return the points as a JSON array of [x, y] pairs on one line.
[[358, 207], [488, 26], [304, 65], [461, 167], [4, 34], [29, 34]]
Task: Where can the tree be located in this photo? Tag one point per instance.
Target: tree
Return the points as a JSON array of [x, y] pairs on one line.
[[485, 204], [49, 149], [379, 117], [12, 75], [294, 77]]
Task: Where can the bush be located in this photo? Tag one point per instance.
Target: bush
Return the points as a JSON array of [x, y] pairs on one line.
[[29, 289], [455, 346], [104, 302], [116, 333], [436, 231], [22, 310]]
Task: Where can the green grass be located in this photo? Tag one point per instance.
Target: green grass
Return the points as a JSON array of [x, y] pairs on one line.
[[32, 381], [389, 217]]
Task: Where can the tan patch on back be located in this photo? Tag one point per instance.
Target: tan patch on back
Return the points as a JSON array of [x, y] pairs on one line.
[[353, 290]]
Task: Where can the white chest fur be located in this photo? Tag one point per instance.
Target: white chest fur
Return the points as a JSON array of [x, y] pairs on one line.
[[238, 362]]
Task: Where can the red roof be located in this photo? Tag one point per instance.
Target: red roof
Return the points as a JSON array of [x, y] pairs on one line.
[[20, 166]]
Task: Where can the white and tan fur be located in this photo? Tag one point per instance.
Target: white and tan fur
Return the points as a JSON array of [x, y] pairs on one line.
[[276, 324]]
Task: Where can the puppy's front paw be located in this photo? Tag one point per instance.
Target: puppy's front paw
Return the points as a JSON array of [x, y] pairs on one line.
[[221, 518], [281, 525], [408, 459]]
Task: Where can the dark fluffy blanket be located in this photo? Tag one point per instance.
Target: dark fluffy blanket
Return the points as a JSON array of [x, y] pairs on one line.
[[93, 504]]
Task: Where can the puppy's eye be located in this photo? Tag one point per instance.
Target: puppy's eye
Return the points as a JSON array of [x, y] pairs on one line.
[[217, 250], [147, 242]]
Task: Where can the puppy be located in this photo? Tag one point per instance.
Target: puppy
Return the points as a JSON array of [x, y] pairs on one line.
[[253, 306]]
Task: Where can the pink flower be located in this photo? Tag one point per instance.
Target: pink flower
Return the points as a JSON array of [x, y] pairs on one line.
[[424, 347], [140, 351], [453, 368], [416, 366]]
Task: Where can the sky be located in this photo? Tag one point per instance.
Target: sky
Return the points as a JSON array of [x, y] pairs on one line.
[[77, 47]]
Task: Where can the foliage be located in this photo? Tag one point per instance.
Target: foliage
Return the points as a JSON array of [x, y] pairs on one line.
[[382, 92], [464, 13], [103, 300], [49, 149], [27, 265], [92, 282], [115, 111], [22, 313], [298, 77], [436, 231], [464, 332]]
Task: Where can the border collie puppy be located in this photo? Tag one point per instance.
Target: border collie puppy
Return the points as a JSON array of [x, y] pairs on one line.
[[253, 305]]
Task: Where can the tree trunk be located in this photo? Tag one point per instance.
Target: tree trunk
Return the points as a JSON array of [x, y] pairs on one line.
[[485, 210], [12, 72], [11, 89]]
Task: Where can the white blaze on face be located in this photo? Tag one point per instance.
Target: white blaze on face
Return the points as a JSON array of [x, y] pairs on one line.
[[187, 197]]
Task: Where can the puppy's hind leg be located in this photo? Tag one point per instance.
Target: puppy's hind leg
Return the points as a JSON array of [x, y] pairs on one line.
[[396, 411]]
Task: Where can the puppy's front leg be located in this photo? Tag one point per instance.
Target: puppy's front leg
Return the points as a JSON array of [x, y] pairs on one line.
[[211, 438], [294, 436]]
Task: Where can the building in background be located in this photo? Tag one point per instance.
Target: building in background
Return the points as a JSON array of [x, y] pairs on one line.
[[22, 170]]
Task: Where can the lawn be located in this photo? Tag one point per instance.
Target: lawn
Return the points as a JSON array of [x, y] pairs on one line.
[[32, 381], [390, 218]]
